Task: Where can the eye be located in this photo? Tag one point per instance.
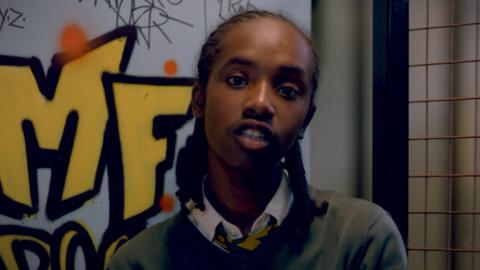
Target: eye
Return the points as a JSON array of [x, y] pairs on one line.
[[288, 92], [236, 81]]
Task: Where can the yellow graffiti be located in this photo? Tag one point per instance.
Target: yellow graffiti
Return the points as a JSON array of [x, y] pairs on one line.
[[90, 108], [112, 248], [136, 106], [6, 250], [80, 90], [65, 245]]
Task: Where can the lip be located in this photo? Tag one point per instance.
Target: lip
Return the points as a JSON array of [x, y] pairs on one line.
[[251, 142]]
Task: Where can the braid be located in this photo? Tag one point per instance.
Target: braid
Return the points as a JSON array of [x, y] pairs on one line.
[[192, 167], [304, 206]]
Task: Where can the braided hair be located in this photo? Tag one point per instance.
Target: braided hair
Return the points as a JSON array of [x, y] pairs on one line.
[[192, 161]]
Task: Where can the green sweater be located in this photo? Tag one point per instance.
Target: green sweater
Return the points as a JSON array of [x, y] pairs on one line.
[[352, 234]]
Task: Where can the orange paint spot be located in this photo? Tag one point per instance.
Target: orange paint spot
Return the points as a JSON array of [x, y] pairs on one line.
[[73, 40], [170, 67], [167, 203]]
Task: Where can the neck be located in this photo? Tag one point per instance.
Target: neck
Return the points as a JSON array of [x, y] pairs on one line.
[[241, 196]]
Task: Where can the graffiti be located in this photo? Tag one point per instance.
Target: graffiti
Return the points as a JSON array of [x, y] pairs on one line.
[[12, 18], [229, 7], [166, 101], [174, 2], [83, 116], [160, 2], [54, 251], [95, 2], [149, 17]]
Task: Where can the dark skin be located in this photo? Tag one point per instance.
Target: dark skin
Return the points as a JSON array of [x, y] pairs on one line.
[[241, 205], [255, 106]]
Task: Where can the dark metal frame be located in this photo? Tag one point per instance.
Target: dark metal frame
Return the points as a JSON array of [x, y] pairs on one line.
[[390, 109]]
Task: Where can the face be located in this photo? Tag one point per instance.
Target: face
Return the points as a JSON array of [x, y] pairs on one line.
[[258, 94]]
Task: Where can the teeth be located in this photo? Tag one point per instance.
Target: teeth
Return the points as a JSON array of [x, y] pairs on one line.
[[253, 133]]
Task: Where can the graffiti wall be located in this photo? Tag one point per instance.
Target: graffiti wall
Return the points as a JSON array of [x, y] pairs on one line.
[[94, 107]]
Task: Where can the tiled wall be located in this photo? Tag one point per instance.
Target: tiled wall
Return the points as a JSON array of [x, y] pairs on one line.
[[444, 206]]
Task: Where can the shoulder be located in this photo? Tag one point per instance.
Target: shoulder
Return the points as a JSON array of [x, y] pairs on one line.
[[146, 249], [346, 212], [360, 231]]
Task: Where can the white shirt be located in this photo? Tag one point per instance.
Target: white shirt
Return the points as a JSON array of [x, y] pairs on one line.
[[207, 221]]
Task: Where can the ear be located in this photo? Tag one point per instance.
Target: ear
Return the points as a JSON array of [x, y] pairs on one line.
[[308, 118], [198, 101]]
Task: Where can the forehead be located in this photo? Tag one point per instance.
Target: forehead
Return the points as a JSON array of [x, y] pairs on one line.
[[269, 40]]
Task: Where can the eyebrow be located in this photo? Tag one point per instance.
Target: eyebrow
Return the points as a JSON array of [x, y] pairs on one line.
[[282, 69], [239, 61], [293, 70]]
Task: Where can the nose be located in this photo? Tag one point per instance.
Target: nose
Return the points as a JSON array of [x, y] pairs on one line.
[[259, 103]]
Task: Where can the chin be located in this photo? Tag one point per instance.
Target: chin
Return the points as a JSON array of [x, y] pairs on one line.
[[258, 163]]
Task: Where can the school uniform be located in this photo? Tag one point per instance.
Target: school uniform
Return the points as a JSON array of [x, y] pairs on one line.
[[352, 234]]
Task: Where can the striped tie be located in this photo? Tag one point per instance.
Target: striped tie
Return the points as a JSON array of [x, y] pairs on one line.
[[242, 245]]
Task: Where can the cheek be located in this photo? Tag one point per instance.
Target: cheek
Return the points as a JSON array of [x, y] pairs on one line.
[[222, 105], [219, 114], [291, 123], [215, 113]]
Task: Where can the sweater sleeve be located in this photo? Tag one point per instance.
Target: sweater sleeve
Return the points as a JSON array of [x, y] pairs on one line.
[[118, 263], [383, 246], [147, 250]]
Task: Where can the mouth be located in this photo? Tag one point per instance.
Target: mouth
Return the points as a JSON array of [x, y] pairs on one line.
[[253, 135]]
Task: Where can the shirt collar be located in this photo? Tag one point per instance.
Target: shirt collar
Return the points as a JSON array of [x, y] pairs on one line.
[[207, 221]]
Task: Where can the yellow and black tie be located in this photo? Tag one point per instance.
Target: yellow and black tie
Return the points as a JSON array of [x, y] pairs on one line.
[[245, 244]]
